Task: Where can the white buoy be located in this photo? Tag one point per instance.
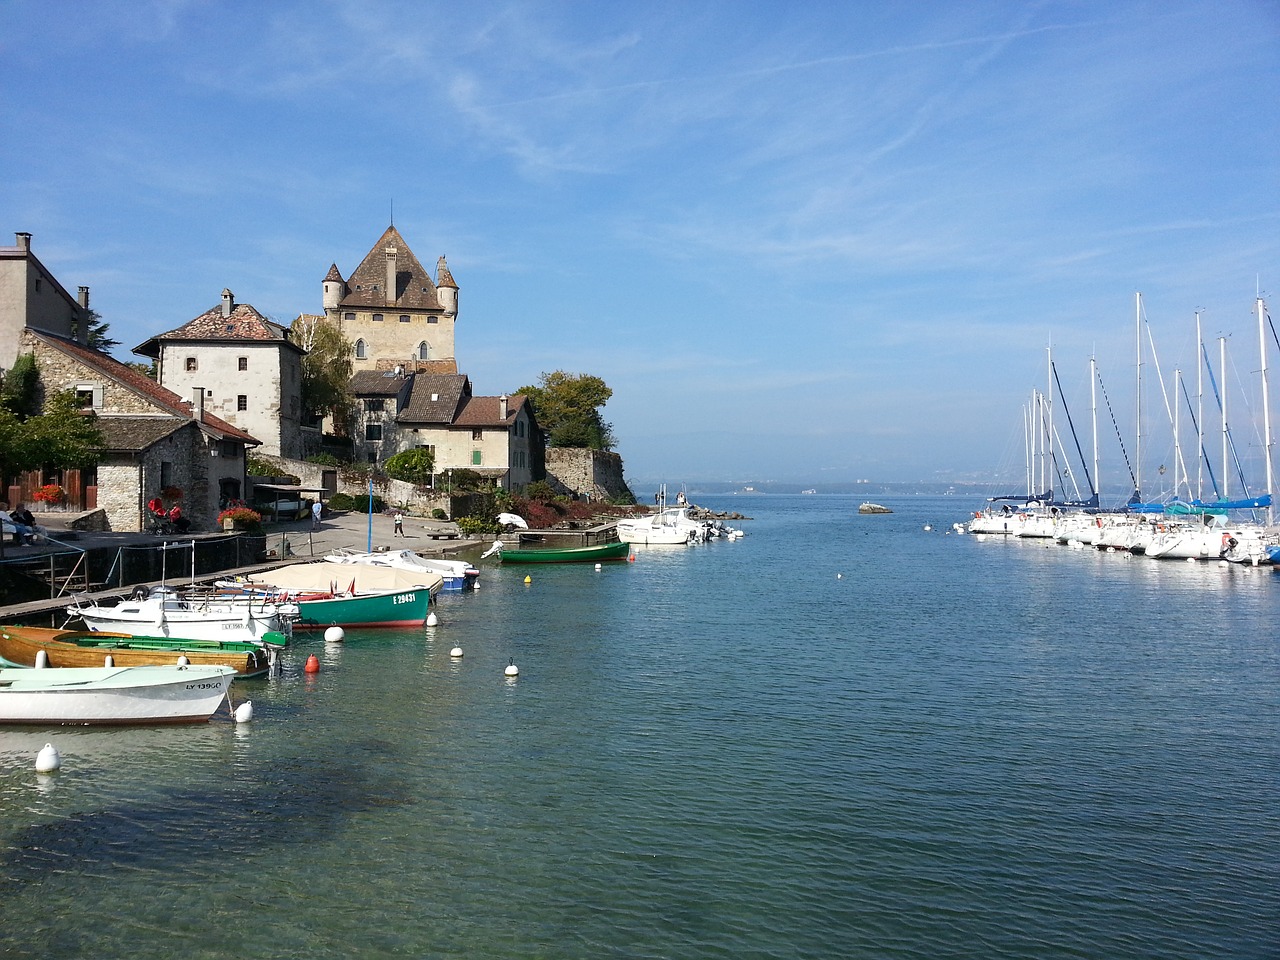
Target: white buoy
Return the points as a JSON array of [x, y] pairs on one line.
[[109, 661], [456, 653], [244, 712], [839, 576], [598, 567], [183, 662], [42, 659], [432, 619], [512, 670], [334, 635], [48, 760]]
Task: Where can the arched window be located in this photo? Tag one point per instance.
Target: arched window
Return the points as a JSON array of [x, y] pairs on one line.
[[424, 352], [360, 351]]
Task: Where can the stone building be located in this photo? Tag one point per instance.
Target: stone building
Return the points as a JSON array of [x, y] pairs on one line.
[[155, 440], [31, 297], [250, 372], [497, 437], [391, 309]]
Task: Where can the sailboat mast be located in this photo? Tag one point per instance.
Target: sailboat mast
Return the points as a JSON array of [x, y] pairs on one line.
[[1050, 467], [1093, 402], [1222, 402], [1137, 310], [1199, 411], [1266, 405]]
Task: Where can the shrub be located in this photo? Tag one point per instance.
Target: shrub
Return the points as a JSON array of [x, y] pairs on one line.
[[361, 503], [242, 516], [541, 491], [412, 466], [438, 514], [474, 525], [342, 501], [325, 460]]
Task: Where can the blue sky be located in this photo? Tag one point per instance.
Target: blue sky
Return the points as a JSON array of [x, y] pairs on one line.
[[819, 242]]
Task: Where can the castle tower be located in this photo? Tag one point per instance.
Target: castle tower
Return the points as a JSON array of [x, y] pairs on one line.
[[446, 289], [334, 288]]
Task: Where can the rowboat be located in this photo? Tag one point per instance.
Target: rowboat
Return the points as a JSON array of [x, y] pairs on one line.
[[112, 695], [22, 647], [348, 595], [616, 550]]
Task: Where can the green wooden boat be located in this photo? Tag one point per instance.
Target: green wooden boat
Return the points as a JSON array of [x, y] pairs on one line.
[[593, 554]]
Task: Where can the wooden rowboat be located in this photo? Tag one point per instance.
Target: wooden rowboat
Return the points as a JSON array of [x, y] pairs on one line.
[[81, 648], [616, 550]]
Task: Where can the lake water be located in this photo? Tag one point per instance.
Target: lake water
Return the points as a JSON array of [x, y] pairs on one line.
[[841, 736]]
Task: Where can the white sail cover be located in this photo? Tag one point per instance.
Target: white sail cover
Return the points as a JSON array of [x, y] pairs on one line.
[[325, 576]]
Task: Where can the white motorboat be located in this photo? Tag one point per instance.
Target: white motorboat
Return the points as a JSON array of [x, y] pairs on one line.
[[112, 695], [456, 574], [672, 525], [165, 612]]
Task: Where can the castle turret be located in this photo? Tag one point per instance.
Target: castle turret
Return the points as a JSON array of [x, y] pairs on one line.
[[334, 288], [446, 289]]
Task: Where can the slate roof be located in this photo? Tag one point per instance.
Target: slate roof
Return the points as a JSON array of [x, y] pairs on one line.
[[376, 383], [144, 386], [414, 287], [245, 323], [450, 390], [135, 434], [443, 277]]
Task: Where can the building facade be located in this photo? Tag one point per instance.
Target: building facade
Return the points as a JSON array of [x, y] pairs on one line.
[[247, 367], [31, 297]]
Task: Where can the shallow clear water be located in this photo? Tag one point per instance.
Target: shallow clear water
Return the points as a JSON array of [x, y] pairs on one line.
[[840, 736]]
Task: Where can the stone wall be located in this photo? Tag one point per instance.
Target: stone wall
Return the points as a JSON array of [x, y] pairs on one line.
[[593, 474]]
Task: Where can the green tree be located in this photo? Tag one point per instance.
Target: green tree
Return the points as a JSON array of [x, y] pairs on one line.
[[412, 466], [20, 394], [326, 370], [567, 406], [63, 437], [98, 337]]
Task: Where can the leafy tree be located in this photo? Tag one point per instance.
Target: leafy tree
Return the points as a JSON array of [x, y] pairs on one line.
[[326, 370], [146, 368], [567, 406], [413, 466], [63, 437], [20, 394]]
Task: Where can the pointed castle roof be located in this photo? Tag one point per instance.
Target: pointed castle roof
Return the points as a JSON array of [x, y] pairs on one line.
[[414, 286]]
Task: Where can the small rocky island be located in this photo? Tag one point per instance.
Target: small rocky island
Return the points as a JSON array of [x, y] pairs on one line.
[[869, 507]]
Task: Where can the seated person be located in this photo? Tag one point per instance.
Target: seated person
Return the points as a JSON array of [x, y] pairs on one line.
[[180, 523], [25, 518], [22, 533]]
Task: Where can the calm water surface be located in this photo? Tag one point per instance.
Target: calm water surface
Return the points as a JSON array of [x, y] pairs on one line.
[[841, 736]]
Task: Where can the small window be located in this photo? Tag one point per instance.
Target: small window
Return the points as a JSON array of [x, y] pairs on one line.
[[477, 436], [191, 364], [243, 363], [424, 352], [360, 351], [519, 428], [38, 284], [404, 318], [84, 398], [166, 474], [377, 318], [242, 402], [433, 319], [475, 458], [373, 431], [349, 317], [375, 404]]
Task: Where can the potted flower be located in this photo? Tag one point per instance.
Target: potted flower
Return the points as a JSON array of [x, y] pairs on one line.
[[240, 518], [50, 493]]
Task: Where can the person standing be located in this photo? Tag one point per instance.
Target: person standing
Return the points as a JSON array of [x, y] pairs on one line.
[[399, 522], [316, 508]]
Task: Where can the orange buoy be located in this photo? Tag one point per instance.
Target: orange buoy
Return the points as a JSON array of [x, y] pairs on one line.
[[313, 664], [631, 559]]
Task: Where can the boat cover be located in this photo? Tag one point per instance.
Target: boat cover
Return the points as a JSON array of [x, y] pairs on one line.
[[326, 576]]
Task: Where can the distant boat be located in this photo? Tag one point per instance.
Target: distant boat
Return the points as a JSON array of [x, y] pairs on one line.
[[808, 491], [869, 507], [112, 695]]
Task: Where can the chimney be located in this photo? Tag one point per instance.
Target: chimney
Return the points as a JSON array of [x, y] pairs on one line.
[[502, 407], [228, 302], [391, 275], [24, 241], [197, 404], [82, 319]]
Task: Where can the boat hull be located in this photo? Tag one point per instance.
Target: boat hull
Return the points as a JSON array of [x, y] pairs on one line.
[[403, 608], [112, 696], [602, 551], [186, 620], [74, 648]]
